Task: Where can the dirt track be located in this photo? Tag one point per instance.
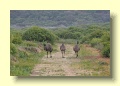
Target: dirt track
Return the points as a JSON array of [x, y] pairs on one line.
[[58, 66]]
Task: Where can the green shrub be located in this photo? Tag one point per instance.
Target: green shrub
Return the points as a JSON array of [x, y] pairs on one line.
[[23, 54], [39, 34], [95, 41], [16, 38], [85, 39], [96, 34], [106, 36], [99, 46], [106, 50], [13, 49]]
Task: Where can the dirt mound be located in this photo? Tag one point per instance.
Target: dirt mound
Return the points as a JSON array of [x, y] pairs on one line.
[[31, 49]]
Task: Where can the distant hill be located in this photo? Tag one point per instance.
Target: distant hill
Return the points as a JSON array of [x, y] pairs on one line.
[[57, 18]]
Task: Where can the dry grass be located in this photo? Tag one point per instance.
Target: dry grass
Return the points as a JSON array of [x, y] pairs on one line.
[[92, 63]]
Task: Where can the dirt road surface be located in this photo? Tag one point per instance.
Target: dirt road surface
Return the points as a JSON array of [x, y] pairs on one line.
[[58, 66]]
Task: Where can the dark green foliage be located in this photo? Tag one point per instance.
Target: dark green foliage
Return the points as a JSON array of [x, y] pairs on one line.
[[23, 54], [13, 49], [101, 41], [84, 39], [106, 36], [17, 40], [95, 41], [39, 34], [69, 33], [95, 35], [106, 50], [106, 43], [15, 37]]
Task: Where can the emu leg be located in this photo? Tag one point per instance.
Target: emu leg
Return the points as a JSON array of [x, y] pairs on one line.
[[77, 55], [50, 55], [62, 54], [47, 54]]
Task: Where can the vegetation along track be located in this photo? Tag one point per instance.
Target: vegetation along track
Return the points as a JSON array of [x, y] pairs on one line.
[[72, 66]]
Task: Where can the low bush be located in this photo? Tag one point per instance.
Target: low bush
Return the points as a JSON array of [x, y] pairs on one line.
[[95, 41], [16, 38], [13, 49], [23, 54], [106, 50]]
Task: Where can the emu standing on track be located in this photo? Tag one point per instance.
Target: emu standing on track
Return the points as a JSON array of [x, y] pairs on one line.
[[76, 48], [62, 48], [48, 48]]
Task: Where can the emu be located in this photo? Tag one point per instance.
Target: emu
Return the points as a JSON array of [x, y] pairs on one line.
[[62, 48], [76, 48], [48, 48]]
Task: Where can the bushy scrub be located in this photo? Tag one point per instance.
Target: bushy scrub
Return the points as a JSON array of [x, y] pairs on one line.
[[97, 35], [95, 41], [106, 43], [106, 50], [13, 49], [16, 38], [23, 54], [39, 34], [85, 39], [106, 36]]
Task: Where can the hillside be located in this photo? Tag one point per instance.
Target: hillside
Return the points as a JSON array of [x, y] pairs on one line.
[[57, 18]]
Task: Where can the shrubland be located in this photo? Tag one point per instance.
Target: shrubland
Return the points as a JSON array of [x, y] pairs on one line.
[[26, 45], [97, 36]]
